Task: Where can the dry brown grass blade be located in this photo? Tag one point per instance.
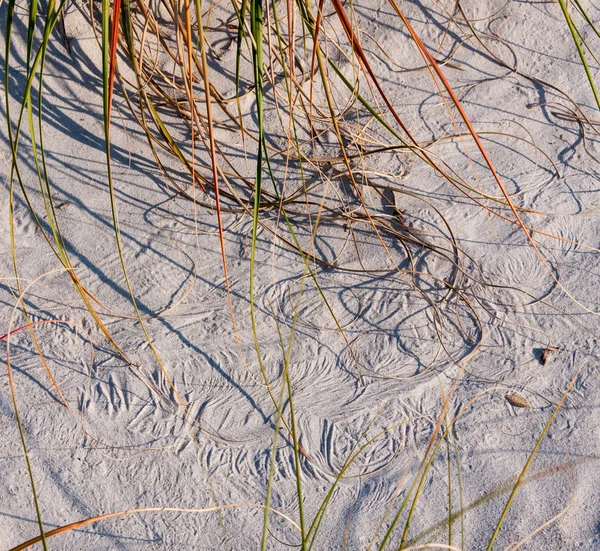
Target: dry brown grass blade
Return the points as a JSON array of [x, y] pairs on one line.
[[434, 66], [432, 63], [81, 523]]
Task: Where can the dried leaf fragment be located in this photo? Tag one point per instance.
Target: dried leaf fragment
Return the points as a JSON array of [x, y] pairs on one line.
[[517, 401], [545, 356]]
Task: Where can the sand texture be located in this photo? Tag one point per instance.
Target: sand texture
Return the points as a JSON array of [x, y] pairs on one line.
[[453, 338]]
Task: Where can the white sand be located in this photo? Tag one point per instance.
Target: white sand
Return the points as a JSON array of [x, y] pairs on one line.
[[125, 444]]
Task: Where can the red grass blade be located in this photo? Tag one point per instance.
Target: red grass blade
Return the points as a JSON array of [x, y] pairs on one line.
[[114, 38]]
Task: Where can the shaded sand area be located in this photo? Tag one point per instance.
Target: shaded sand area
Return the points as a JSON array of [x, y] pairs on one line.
[[418, 329]]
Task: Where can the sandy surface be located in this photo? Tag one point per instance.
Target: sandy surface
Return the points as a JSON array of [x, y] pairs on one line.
[[124, 443]]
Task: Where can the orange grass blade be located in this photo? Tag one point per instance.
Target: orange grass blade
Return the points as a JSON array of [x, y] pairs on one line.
[[113, 54], [81, 523], [438, 71]]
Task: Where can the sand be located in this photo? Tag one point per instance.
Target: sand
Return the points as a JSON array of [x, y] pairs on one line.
[[124, 443]]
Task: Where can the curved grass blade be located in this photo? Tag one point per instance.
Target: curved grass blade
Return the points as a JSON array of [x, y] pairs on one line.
[[574, 34], [531, 458]]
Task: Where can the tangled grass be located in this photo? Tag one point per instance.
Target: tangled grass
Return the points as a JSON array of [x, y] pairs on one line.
[[277, 112]]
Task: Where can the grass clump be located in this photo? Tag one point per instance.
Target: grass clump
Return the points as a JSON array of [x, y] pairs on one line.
[[279, 114]]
